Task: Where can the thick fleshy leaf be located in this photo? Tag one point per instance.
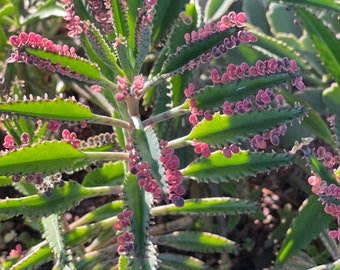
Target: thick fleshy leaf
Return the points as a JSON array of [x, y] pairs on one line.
[[320, 169], [313, 121], [197, 241], [143, 43], [191, 51], [217, 168], [216, 9], [56, 109], [48, 157], [331, 98], [78, 65], [324, 40], [181, 262], [298, 236], [52, 232], [140, 201], [208, 206], [224, 129], [213, 96], [326, 4], [110, 174], [147, 144], [62, 199]]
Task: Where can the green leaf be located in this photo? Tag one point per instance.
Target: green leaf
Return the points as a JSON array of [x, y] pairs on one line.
[[191, 51], [146, 142], [208, 206], [48, 157], [5, 181], [326, 4], [213, 96], [110, 174], [216, 8], [78, 65], [217, 168], [320, 169], [140, 202], [325, 41], [120, 19], [313, 121], [142, 47], [181, 262], [53, 236], [62, 199], [56, 109], [298, 237], [197, 241], [224, 129], [331, 98]]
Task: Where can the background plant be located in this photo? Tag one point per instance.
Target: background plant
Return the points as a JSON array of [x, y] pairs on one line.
[[141, 77]]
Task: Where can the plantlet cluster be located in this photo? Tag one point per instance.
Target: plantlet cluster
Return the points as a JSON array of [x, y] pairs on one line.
[[169, 108]]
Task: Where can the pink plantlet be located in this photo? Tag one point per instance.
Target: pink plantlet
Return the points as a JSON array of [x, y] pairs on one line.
[[25, 139], [9, 143], [207, 115], [96, 88], [70, 137], [53, 125], [215, 76], [16, 252], [227, 152]]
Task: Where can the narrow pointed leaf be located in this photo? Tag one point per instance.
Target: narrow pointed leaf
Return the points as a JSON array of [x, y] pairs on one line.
[[149, 150], [53, 235], [143, 44], [78, 65], [181, 262], [197, 241], [331, 98], [56, 109], [324, 40], [213, 96], [48, 157], [223, 129], [140, 201], [326, 4], [208, 206], [110, 174], [34, 258], [217, 168], [216, 9], [298, 237], [192, 51], [120, 19], [61, 199]]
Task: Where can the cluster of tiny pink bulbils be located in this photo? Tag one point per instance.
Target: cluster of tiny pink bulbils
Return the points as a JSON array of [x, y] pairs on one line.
[[36, 41], [172, 175], [329, 194], [124, 89], [232, 20], [126, 238]]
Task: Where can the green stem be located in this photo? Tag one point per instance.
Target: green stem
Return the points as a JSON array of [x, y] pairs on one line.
[[106, 156], [180, 142], [154, 82], [174, 112], [109, 121]]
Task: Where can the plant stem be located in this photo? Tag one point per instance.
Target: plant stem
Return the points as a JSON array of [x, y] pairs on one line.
[[106, 156], [109, 121], [180, 142], [174, 112]]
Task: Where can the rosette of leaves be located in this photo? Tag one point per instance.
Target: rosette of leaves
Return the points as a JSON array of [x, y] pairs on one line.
[[130, 40]]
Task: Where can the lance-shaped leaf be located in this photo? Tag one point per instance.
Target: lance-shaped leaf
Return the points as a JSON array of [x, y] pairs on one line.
[[48, 157], [140, 201], [326, 4], [197, 241], [320, 169], [176, 261], [224, 129], [213, 96], [208, 206], [217, 168], [324, 40], [62, 199], [142, 47], [190, 52], [149, 150], [52, 232], [77, 65], [56, 109], [298, 236]]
